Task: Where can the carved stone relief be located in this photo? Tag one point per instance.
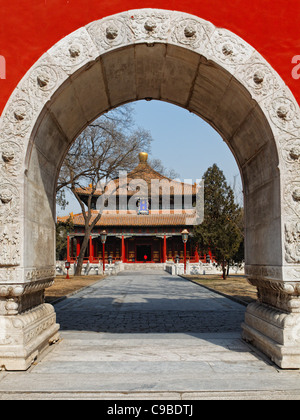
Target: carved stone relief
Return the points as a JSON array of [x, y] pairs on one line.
[[9, 203], [9, 225], [17, 118], [291, 196], [291, 153], [10, 245], [229, 50], [10, 275], [10, 158], [292, 242], [74, 51], [109, 33], [43, 80], [284, 113], [259, 78], [192, 33], [151, 26]]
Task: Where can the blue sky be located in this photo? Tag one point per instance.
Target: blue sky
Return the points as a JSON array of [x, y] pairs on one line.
[[183, 142]]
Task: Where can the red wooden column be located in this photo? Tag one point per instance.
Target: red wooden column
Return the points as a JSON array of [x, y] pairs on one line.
[[165, 249], [196, 254], [91, 249], [77, 247], [68, 248], [123, 249]]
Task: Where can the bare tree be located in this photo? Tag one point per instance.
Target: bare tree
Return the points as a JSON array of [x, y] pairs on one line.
[[157, 165], [109, 145]]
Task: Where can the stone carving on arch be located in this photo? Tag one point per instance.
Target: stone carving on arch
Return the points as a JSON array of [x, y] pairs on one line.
[[81, 49]]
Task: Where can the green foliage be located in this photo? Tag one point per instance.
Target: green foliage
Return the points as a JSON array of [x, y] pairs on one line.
[[62, 231], [222, 227]]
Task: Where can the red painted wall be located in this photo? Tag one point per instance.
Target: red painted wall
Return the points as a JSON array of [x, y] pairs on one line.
[[29, 28]]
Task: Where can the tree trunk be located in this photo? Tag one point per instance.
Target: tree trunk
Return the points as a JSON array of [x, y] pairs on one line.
[[81, 255], [224, 270]]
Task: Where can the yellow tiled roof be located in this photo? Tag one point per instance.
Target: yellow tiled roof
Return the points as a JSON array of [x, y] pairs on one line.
[[125, 218], [121, 219], [144, 172]]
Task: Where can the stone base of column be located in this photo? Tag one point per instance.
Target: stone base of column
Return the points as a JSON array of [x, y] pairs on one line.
[[275, 333], [24, 336]]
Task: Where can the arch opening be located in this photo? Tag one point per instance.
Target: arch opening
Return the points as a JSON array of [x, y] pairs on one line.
[[186, 61], [232, 111]]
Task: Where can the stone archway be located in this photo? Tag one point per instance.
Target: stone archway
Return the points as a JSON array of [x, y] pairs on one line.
[[174, 57]]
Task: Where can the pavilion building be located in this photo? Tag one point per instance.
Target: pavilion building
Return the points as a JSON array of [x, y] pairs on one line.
[[145, 223]]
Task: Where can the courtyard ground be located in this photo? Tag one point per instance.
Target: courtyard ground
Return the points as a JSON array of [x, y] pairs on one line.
[[63, 287], [149, 335], [235, 286]]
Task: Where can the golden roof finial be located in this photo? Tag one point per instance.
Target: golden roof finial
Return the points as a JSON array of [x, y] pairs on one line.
[[143, 156]]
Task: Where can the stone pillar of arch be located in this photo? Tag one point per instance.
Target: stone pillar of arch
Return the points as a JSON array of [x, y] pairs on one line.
[[184, 60]]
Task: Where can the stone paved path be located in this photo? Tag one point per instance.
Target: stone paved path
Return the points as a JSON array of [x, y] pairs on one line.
[[149, 335], [149, 303]]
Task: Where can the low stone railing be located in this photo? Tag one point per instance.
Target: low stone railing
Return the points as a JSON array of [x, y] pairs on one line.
[[90, 269], [199, 268]]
